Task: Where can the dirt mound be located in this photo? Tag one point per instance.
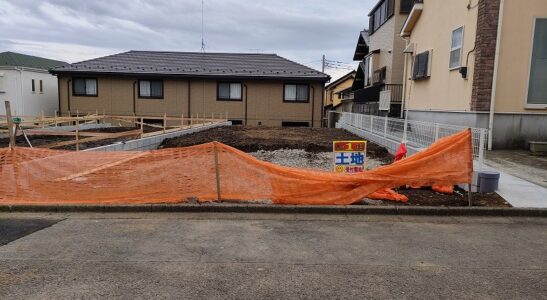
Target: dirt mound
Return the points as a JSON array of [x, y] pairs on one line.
[[252, 139]]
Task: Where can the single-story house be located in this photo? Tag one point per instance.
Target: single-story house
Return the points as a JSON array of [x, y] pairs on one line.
[[253, 89], [27, 84]]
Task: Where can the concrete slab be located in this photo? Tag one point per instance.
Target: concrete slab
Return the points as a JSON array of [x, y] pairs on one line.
[[519, 192], [522, 164]]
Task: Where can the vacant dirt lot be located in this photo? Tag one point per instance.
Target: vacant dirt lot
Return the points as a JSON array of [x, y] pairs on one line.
[[44, 140], [312, 148], [253, 139]]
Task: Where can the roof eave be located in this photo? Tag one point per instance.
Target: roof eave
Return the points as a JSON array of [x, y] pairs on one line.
[[256, 77], [412, 19]]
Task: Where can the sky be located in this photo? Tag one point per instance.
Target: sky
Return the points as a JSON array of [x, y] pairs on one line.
[[76, 30]]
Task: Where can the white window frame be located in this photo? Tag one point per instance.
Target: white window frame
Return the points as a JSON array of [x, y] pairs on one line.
[[526, 104], [456, 48]]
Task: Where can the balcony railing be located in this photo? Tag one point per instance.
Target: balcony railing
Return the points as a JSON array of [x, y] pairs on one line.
[[372, 93]]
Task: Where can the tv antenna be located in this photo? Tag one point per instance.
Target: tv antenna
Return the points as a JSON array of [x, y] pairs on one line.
[[202, 29]]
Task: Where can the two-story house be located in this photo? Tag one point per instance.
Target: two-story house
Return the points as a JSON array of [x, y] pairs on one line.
[[378, 84], [479, 63], [339, 94]]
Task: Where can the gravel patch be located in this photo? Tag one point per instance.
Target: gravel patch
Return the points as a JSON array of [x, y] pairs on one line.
[[299, 158]]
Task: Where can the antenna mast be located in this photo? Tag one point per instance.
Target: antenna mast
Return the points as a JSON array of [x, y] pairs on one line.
[[202, 29]]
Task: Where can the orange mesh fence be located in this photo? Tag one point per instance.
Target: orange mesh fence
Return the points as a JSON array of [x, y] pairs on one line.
[[211, 172]]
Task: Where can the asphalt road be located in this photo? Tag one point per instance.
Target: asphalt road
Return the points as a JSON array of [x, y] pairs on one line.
[[250, 256]]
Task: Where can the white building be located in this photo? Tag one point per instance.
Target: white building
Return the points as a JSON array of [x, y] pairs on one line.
[[26, 83]]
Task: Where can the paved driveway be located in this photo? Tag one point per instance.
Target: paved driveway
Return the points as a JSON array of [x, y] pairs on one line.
[[249, 256]]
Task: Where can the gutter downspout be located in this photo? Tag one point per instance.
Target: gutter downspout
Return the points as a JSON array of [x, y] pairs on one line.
[[134, 98], [68, 94], [323, 102], [312, 105], [495, 77], [189, 95], [59, 95], [246, 100], [403, 104]]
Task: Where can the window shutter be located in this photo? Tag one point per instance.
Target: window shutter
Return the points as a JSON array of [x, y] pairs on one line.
[[421, 66]]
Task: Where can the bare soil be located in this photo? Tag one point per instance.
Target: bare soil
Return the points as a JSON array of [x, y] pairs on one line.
[[427, 197], [43, 140], [316, 141], [253, 139]]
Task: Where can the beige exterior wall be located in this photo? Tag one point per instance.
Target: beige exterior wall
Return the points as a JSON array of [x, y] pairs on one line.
[[265, 100], [445, 89], [391, 45], [515, 53]]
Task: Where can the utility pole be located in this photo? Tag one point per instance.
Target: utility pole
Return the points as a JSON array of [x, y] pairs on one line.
[[324, 61]]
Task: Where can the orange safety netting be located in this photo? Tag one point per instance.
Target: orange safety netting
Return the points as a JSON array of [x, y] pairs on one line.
[[211, 172]]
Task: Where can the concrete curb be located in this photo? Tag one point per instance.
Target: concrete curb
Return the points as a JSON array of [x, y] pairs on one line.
[[296, 209]]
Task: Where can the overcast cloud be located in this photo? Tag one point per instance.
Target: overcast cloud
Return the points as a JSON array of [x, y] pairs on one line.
[[72, 31]]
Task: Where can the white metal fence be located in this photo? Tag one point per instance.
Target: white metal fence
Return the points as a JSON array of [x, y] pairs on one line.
[[390, 132]]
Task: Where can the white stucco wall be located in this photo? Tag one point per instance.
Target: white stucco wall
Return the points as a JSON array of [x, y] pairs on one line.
[[17, 88]]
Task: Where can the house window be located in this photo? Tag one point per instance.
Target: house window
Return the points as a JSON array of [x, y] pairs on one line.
[[421, 65], [41, 86], [456, 48], [229, 91], [151, 89], [537, 89], [296, 93], [33, 87], [381, 14], [84, 87]]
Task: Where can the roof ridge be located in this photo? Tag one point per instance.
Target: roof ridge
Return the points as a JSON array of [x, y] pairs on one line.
[[294, 62], [197, 52]]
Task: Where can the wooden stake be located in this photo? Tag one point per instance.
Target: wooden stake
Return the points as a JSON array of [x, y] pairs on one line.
[[164, 122], [470, 195], [217, 172], [142, 127], [77, 135], [10, 125]]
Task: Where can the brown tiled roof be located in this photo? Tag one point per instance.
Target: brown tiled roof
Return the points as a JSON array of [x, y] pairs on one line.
[[195, 64]]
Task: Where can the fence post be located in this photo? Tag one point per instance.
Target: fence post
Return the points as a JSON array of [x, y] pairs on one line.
[[436, 132], [217, 172], [482, 139], [385, 129], [405, 126]]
